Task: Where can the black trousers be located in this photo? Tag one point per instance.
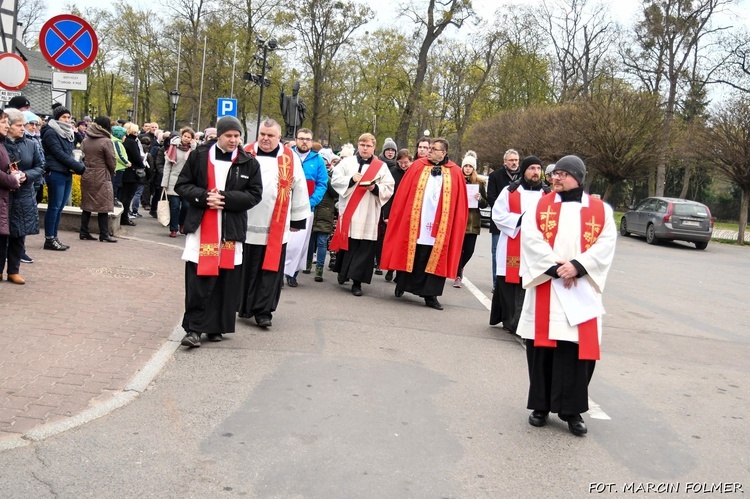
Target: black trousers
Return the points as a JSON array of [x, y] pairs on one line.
[[558, 380], [210, 301], [100, 217], [127, 191], [467, 251], [11, 251], [260, 290], [507, 302], [418, 281], [358, 262]]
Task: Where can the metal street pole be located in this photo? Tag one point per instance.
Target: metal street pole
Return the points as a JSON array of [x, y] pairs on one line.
[[262, 85]]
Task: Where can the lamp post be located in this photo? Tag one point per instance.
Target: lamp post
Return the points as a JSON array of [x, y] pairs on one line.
[[130, 115], [174, 98], [266, 45]]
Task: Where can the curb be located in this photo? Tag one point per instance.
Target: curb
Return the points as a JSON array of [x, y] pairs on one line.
[[138, 384]]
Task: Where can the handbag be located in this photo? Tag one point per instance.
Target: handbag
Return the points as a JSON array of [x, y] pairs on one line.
[[162, 209], [141, 173]]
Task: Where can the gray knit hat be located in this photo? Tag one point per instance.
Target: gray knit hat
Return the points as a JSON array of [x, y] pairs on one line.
[[389, 144], [573, 165], [228, 123]]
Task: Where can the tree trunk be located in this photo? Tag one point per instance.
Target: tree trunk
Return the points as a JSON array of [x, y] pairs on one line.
[[608, 191], [686, 181], [402, 135], [744, 204]]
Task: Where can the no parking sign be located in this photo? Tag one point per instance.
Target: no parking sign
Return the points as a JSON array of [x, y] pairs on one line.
[[68, 43]]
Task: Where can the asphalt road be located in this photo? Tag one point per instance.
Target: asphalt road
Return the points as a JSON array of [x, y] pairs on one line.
[[382, 397]]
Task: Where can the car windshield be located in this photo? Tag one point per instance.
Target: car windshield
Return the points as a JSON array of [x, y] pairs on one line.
[[690, 210]]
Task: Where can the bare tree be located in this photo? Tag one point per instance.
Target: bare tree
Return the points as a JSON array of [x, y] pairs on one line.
[[729, 149], [581, 35], [31, 17], [323, 27], [666, 39], [438, 16]]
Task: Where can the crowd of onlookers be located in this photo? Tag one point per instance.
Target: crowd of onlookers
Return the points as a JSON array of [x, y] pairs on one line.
[[121, 165]]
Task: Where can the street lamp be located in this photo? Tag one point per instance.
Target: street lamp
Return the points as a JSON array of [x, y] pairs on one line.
[[174, 98], [130, 114], [266, 45]]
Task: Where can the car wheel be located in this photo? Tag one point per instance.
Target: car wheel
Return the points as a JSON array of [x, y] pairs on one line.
[[624, 227], [651, 235], [702, 245]]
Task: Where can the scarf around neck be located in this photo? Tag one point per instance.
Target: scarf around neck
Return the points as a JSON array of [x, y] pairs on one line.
[[64, 130]]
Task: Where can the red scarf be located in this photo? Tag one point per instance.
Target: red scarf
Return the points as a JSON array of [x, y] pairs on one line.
[[340, 239], [513, 256], [547, 220], [275, 242], [214, 254]]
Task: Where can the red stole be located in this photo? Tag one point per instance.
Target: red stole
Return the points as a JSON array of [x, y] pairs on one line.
[[547, 220], [513, 256], [340, 239], [275, 242], [214, 254]]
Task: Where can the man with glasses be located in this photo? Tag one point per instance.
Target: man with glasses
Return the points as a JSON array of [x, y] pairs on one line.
[[566, 251], [364, 184], [426, 226], [316, 177], [497, 180], [515, 200]]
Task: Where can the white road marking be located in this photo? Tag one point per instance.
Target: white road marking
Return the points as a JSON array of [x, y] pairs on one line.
[[595, 410]]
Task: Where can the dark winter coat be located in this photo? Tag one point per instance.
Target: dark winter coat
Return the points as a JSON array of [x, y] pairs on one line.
[[58, 153], [397, 173], [24, 214], [496, 181], [326, 210], [244, 189], [96, 182], [135, 158], [8, 183]]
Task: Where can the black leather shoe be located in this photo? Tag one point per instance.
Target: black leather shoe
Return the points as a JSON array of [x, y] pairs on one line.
[[538, 418], [263, 321], [432, 302], [575, 424], [129, 222], [107, 239], [86, 237], [341, 278], [291, 282], [378, 271], [357, 290], [398, 292], [214, 337], [191, 340], [54, 245], [389, 276]]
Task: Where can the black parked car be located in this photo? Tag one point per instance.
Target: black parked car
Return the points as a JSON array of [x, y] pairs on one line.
[[669, 219]]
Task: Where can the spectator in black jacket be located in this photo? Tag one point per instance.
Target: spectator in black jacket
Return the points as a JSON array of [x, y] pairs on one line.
[[58, 142], [499, 178], [131, 178]]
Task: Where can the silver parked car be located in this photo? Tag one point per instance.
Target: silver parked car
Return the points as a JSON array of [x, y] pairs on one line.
[[486, 212], [669, 219]]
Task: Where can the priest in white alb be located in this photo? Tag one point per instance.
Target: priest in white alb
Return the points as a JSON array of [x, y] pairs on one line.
[[364, 184], [566, 252]]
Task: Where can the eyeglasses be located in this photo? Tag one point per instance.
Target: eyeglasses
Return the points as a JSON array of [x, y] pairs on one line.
[[435, 149], [32, 123], [560, 174], [303, 139]]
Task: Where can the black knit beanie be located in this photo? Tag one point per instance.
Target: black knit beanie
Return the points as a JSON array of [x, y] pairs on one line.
[[574, 166]]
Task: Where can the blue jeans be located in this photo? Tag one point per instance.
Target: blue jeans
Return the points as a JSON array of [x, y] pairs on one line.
[[58, 192], [137, 198], [318, 240], [116, 183], [495, 239], [177, 212]]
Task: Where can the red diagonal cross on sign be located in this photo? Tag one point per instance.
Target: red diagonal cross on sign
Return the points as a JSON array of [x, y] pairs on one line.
[[68, 43]]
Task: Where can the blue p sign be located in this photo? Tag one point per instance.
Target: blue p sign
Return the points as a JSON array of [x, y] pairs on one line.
[[226, 107]]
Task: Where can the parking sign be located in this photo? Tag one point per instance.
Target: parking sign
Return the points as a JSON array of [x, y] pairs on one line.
[[226, 107]]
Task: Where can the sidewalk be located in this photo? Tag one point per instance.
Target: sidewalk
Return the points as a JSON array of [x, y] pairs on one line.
[[86, 321]]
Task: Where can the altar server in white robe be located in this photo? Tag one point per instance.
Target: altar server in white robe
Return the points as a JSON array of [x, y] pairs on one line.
[[567, 249]]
